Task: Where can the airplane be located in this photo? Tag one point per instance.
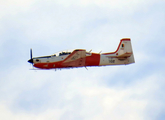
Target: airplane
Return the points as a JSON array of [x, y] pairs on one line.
[[81, 58]]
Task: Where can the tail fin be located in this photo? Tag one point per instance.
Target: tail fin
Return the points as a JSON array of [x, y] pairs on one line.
[[124, 50]]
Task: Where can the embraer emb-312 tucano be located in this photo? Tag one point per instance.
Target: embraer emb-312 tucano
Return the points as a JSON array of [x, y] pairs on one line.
[[81, 58]]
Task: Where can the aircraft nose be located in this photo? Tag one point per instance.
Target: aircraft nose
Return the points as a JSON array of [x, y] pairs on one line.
[[30, 61]]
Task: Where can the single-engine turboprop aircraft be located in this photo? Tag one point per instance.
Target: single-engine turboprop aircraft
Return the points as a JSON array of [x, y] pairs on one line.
[[81, 58]]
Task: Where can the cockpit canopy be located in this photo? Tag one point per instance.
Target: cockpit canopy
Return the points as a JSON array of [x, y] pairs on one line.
[[65, 52]]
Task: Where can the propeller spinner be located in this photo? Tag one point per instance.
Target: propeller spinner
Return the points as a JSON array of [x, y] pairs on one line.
[[31, 57]]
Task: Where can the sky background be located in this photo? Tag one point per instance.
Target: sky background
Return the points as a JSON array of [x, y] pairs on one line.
[[132, 92]]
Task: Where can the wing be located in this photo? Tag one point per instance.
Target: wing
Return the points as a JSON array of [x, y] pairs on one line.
[[75, 59]]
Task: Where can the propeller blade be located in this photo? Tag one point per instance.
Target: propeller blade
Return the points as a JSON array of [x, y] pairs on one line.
[[31, 55]]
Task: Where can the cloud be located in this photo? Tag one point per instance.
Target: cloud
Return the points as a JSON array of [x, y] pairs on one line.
[[112, 92], [7, 114], [118, 4], [13, 7], [77, 97]]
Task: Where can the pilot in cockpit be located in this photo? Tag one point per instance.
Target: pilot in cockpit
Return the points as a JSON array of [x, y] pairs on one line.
[[64, 53]]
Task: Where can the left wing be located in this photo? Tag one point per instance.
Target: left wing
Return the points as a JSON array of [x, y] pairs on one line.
[[75, 59]]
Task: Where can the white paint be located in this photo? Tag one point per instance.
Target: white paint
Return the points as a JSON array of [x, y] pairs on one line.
[[111, 59]]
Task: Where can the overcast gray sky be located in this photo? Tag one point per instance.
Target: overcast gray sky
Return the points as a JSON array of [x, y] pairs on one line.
[[132, 92]]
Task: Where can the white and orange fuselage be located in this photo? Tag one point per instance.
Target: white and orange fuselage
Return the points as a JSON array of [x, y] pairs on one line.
[[80, 58]]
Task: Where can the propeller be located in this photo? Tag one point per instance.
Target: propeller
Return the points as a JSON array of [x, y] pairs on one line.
[[31, 57], [31, 54]]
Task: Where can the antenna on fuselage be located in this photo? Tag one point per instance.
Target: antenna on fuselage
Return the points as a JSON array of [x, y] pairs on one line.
[[90, 50]]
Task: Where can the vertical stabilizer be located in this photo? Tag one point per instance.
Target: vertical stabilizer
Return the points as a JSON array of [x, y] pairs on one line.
[[124, 50]]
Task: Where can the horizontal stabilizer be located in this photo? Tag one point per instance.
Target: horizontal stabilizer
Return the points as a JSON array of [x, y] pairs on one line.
[[123, 56]]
